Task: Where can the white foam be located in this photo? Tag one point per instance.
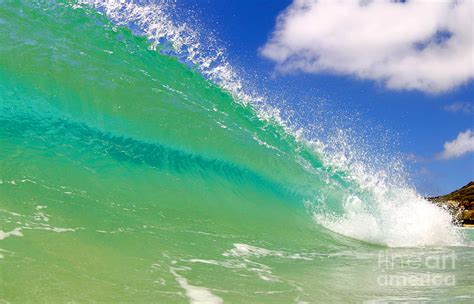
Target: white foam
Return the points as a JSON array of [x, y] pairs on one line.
[[382, 208], [226, 264], [14, 232], [247, 250], [1, 253], [52, 228], [244, 250], [196, 294], [261, 270], [58, 229], [40, 215]]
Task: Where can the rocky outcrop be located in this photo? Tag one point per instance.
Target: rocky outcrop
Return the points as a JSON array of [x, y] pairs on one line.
[[460, 203]]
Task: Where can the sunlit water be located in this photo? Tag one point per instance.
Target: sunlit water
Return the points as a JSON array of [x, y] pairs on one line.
[[128, 176]]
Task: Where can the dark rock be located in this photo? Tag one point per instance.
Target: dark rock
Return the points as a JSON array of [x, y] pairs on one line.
[[460, 203]]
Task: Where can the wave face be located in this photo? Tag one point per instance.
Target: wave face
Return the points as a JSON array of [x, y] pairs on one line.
[[134, 167]]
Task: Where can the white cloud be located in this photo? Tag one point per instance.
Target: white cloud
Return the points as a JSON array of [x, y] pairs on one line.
[[415, 45], [460, 107], [463, 144]]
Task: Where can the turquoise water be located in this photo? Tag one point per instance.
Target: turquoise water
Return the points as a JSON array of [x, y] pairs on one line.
[[128, 176]]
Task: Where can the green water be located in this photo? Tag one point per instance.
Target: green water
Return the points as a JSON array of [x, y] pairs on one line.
[[126, 176]]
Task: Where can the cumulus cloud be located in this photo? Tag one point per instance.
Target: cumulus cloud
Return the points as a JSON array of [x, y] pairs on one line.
[[460, 107], [406, 45], [462, 145]]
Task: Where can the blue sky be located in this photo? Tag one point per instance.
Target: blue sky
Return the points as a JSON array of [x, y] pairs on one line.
[[418, 121]]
